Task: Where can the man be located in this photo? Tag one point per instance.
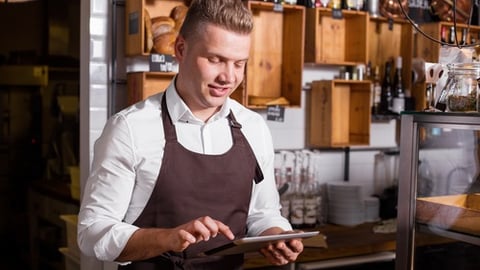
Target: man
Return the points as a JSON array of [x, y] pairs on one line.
[[191, 169]]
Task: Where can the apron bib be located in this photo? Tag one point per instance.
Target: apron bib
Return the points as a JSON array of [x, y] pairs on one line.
[[192, 185]]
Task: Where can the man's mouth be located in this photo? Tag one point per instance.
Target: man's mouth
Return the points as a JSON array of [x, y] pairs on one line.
[[218, 91]]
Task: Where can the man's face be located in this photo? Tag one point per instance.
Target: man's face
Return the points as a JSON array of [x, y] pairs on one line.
[[211, 66]]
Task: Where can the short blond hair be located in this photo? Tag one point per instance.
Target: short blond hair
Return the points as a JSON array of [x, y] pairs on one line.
[[231, 15]]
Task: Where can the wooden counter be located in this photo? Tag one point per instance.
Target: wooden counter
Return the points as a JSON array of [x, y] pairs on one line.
[[344, 242]]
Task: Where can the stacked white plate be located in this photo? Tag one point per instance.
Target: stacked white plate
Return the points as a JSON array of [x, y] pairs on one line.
[[345, 204], [372, 209]]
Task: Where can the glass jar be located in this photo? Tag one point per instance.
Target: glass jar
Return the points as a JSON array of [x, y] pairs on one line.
[[460, 93]]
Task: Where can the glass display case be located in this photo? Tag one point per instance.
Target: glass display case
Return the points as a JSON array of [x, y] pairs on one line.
[[438, 224]]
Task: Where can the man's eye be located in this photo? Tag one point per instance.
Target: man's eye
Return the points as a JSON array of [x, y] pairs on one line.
[[240, 64], [214, 59]]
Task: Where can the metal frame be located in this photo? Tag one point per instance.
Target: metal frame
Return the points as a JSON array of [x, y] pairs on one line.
[[409, 153]]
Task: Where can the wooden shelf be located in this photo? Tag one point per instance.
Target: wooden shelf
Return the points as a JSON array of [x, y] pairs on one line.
[[339, 113]]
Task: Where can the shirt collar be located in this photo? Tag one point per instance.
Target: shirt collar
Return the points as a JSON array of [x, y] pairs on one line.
[[179, 111]]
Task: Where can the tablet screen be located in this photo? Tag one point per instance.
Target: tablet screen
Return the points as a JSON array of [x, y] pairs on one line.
[[255, 243]]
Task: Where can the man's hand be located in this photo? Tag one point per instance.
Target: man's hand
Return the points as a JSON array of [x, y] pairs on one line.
[[200, 229], [146, 243], [282, 252]]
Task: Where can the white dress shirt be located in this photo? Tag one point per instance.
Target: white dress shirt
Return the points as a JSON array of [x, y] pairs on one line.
[[127, 160]]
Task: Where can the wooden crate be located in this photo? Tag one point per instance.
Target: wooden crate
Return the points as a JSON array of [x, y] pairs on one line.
[[429, 50], [459, 213], [339, 113], [135, 43], [336, 41], [141, 85], [274, 69]]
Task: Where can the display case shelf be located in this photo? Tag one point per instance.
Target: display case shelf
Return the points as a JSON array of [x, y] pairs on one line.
[[472, 239]]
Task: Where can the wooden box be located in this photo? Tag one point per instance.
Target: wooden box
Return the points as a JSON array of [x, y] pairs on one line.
[[429, 50], [339, 113], [329, 40], [274, 70], [459, 213], [141, 85], [135, 44]]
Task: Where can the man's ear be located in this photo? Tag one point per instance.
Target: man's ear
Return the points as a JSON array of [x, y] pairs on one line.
[[179, 47]]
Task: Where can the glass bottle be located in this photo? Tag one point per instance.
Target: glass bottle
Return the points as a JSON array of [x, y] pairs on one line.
[[464, 37], [386, 94], [296, 207], [398, 102], [443, 34], [451, 37], [376, 91], [310, 204]]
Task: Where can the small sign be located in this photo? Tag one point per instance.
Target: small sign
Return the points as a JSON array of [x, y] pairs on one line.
[[162, 62], [133, 24], [276, 113], [337, 13]]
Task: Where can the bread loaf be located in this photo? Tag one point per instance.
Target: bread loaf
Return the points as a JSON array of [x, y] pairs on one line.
[[148, 32], [162, 25], [163, 30], [165, 43], [178, 15]]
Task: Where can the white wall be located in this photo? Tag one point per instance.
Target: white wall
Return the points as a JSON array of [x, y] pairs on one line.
[[290, 134]]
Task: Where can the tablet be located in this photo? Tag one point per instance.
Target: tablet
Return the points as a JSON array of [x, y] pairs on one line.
[[255, 243]]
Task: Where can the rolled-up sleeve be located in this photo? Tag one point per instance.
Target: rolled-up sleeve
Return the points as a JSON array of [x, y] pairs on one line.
[[265, 205], [101, 230]]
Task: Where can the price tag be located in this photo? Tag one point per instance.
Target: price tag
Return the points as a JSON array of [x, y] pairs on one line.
[[337, 13], [278, 7], [276, 113]]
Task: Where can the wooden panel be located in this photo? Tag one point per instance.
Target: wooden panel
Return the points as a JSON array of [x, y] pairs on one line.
[[356, 38], [390, 41], [333, 41], [265, 64], [427, 50], [360, 109], [336, 41], [274, 70], [340, 116], [320, 108]]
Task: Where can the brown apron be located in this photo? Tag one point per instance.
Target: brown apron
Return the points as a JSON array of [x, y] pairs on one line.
[[192, 185]]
